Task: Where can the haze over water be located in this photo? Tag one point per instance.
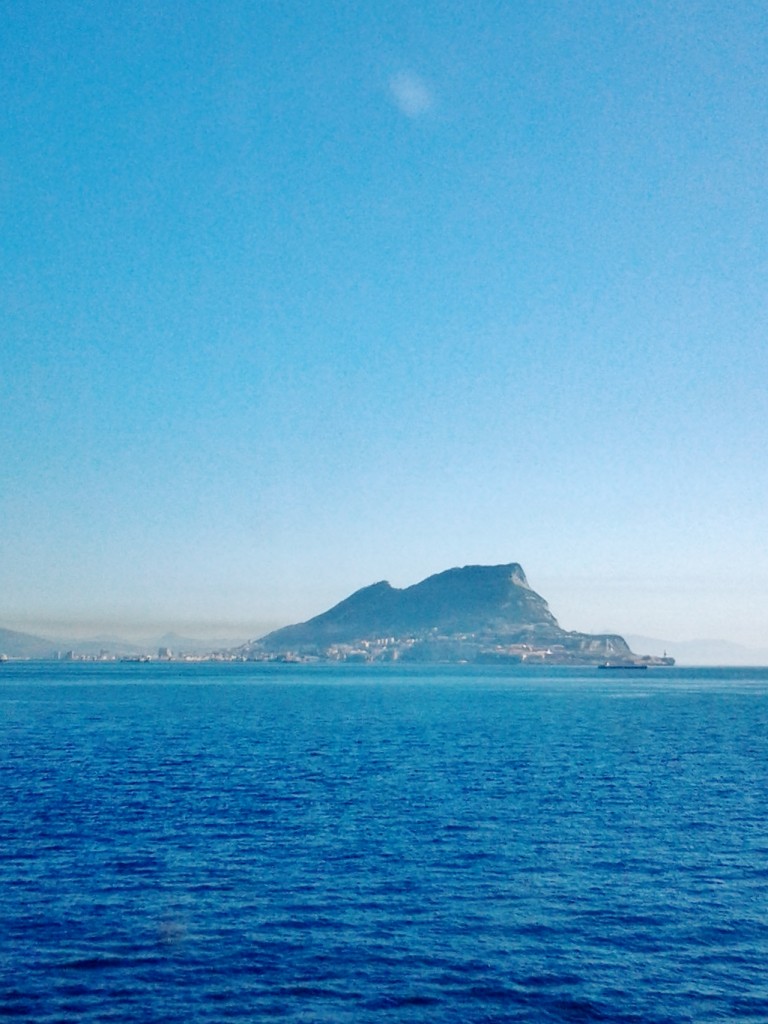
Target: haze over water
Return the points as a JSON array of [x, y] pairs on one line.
[[239, 843]]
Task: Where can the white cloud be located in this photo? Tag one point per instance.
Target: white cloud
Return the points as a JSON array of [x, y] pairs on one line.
[[411, 94]]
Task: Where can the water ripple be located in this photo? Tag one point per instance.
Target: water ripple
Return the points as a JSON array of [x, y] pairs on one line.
[[237, 844]]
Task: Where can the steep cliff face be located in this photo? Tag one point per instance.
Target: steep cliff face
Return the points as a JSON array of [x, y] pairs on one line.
[[485, 602]]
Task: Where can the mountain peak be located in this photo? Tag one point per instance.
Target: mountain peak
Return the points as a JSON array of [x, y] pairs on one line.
[[468, 613], [472, 599]]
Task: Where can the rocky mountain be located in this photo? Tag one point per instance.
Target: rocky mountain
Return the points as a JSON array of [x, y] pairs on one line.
[[472, 613]]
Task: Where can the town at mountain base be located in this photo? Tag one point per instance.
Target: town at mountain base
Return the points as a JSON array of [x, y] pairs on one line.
[[478, 613]]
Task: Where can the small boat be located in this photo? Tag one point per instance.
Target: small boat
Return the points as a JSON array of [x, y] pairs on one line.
[[623, 665]]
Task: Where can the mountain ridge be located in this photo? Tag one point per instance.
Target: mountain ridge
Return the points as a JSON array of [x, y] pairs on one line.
[[464, 613]]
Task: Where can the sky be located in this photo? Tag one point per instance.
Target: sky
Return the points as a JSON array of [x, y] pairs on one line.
[[296, 297]]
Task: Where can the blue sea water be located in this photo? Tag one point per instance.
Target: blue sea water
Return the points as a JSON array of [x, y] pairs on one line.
[[213, 843]]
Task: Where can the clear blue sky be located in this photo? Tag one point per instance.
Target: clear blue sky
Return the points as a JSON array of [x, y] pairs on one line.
[[300, 296]]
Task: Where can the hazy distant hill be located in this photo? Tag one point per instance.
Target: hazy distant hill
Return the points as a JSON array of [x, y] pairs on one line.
[[191, 645], [702, 652], [493, 603], [25, 645]]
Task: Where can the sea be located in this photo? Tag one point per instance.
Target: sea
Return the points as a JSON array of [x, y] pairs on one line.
[[246, 842]]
